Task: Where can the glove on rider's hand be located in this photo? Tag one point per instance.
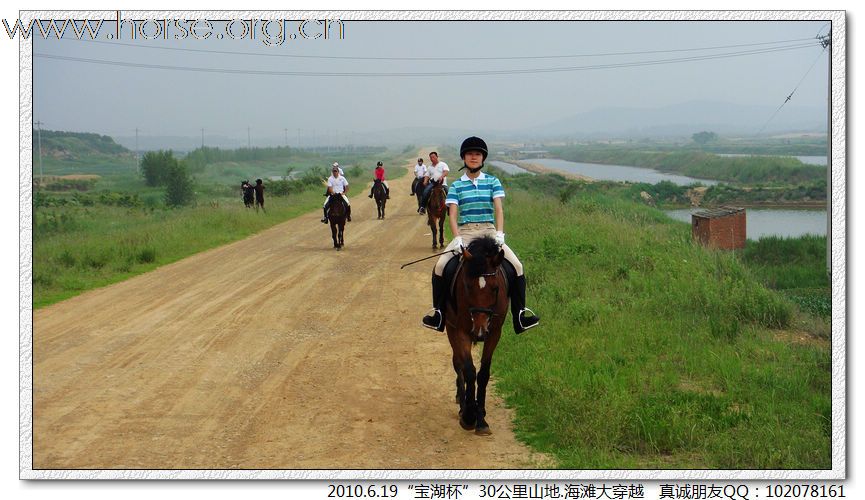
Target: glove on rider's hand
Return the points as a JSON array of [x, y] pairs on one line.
[[458, 243], [500, 238]]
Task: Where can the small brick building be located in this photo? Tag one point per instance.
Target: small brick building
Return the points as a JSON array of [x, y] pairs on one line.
[[722, 227]]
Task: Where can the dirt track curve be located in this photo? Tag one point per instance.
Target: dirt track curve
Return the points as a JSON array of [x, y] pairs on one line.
[[274, 352]]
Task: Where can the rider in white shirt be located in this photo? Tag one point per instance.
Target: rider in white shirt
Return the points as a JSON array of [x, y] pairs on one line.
[[420, 172], [337, 184], [437, 171]]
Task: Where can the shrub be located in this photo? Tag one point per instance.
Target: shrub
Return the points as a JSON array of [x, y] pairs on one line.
[[178, 191], [156, 167]]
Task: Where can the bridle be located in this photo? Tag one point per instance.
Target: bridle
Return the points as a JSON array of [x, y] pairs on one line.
[[490, 311]]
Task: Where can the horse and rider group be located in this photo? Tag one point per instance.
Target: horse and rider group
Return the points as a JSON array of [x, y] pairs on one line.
[[252, 194], [471, 293]]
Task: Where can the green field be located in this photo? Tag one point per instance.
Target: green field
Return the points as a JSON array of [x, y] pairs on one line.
[[655, 352]]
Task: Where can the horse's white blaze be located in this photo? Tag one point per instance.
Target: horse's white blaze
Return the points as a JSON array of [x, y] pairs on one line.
[[482, 282]]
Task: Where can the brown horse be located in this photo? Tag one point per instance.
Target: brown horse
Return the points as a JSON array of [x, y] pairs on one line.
[[380, 196], [475, 312], [436, 210], [336, 214]]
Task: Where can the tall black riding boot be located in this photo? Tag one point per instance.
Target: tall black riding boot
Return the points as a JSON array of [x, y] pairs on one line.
[[348, 212], [523, 318], [436, 319], [324, 218]]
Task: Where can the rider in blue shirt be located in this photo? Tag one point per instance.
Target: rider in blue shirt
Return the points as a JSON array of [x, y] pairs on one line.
[[475, 209]]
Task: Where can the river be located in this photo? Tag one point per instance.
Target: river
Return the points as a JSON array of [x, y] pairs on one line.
[[509, 168], [619, 173], [772, 222]]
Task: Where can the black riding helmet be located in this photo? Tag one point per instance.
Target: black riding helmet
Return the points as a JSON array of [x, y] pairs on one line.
[[473, 144]]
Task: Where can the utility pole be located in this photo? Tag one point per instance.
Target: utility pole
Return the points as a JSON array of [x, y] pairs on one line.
[[826, 42], [202, 138], [137, 156], [39, 136], [298, 138], [286, 136], [248, 138]]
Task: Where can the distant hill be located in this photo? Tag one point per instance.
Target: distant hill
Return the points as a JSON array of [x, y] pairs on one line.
[[684, 119], [676, 120], [75, 145], [79, 153]]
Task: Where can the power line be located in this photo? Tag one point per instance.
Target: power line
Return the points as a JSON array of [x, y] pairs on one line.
[[507, 58], [790, 96], [434, 74]]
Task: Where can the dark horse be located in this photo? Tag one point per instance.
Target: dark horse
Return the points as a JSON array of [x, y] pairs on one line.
[[418, 187], [336, 214], [380, 196], [475, 311], [436, 210], [248, 194]]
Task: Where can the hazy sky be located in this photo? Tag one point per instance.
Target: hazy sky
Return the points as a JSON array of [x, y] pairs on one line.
[[114, 100]]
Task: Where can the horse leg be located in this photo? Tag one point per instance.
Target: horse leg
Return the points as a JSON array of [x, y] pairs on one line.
[[432, 225], [341, 240], [333, 234], [442, 232], [481, 426], [469, 415], [461, 385]]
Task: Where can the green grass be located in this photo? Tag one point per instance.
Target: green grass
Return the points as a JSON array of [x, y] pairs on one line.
[[80, 248], [653, 352], [795, 266]]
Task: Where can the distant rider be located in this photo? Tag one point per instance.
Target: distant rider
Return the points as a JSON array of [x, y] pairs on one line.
[[337, 184], [438, 171], [419, 174], [379, 175]]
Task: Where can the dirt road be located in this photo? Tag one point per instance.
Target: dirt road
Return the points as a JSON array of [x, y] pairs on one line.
[[274, 352]]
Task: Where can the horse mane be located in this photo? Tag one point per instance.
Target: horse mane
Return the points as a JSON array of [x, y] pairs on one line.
[[482, 249]]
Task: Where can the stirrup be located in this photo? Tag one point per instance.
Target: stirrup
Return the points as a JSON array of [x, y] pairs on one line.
[[324, 220], [534, 321], [434, 320]]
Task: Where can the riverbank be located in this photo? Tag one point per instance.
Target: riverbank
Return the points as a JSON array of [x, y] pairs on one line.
[[540, 169], [698, 164]]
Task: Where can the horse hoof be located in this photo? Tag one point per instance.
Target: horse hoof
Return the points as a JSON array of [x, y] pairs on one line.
[[465, 425], [483, 431]]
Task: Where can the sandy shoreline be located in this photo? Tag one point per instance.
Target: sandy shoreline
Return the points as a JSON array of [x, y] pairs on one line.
[[540, 169]]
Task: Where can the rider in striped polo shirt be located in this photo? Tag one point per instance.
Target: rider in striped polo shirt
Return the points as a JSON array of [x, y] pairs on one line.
[[475, 209]]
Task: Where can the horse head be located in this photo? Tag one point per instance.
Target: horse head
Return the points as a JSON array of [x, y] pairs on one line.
[[484, 286]]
